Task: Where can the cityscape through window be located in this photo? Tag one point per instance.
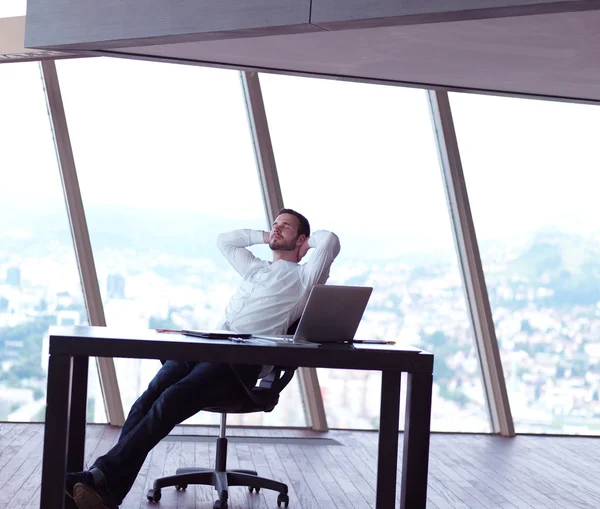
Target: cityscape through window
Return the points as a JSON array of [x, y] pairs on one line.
[[180, 170], [532, 174], [39, 280], [367, 169], [165, 162]]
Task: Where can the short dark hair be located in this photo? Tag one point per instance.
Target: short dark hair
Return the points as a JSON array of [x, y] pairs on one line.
[[304, 228]]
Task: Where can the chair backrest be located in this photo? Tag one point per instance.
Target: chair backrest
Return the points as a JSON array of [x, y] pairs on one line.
[[265, 396], [262, 398], [270, 386]]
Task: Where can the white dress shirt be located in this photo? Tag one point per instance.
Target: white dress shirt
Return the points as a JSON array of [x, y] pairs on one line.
[[272, 296]]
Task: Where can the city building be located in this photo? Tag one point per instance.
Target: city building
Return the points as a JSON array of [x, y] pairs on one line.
[[115, 286], [13, 276]]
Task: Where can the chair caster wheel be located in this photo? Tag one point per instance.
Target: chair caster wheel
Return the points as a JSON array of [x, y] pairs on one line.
[[252, 488], [220, 504], [153, 495], [181, 487], [283, 498]]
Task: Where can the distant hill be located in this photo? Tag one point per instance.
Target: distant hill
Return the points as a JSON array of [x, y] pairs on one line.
[[118, 227], [569, 264], [180, 233]]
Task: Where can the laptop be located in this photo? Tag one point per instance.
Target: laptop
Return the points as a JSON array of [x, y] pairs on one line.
[[331, 315]]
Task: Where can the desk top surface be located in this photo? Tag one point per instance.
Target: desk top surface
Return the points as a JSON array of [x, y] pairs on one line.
[[149, 344]]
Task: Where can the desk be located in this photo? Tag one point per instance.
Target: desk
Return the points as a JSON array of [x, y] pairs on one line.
[[71, 347]]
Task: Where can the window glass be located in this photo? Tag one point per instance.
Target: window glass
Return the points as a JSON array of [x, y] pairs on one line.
[[11, 8], [361, 160], [39, 280], [532, 172], [165, 162]]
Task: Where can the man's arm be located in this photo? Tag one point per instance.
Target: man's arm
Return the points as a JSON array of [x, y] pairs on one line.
[[326, 247], [233, 246]]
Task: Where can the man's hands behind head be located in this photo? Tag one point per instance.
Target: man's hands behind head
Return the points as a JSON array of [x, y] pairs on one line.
[[303, 249]]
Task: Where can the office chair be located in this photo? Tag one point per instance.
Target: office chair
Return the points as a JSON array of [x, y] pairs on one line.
[[262, 398]]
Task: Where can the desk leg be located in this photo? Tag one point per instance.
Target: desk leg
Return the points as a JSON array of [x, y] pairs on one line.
[[78, 414], [387, 455], [415, 458], [55, 433]]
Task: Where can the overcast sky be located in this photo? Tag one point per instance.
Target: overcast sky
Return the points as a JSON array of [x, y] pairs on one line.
[[10, 8], [352, 157]]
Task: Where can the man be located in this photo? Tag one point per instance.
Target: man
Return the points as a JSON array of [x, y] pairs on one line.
[[270, 298]]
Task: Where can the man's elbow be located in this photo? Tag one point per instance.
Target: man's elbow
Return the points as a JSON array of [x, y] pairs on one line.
[[333, 243], [222, 242]]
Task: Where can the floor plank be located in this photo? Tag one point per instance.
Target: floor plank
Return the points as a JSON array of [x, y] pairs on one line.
[[466, 471]]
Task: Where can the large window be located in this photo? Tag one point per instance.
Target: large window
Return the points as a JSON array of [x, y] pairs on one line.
[[533, 174], [360, 160], [39, 281], [10, 8], [165, 162]]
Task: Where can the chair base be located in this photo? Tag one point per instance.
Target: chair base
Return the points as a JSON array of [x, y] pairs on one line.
[[221, 480]]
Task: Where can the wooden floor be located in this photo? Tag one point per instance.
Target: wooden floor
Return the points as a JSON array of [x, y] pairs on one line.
[[466, 471]]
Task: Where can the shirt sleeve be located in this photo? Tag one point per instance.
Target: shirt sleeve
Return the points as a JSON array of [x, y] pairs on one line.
[[233, 247], [326, 247]]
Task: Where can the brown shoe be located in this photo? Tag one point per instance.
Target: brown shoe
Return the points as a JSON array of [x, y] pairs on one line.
[[72, 478], [87, 497]]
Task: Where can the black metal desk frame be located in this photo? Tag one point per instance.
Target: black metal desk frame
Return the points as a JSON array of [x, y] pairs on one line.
[[71, 348]]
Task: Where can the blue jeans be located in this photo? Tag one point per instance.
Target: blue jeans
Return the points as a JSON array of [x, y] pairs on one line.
[[179, 390]]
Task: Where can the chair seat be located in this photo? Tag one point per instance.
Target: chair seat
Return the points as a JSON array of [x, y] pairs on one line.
[[265, 401]]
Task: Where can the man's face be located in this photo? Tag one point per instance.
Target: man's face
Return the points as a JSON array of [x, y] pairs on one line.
[[284, 233]]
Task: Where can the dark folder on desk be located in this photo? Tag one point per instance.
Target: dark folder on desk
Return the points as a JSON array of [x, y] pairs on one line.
[[221, 334]]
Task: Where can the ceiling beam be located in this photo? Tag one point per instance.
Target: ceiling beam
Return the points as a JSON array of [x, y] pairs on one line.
[[83, 25], [12, 49]]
